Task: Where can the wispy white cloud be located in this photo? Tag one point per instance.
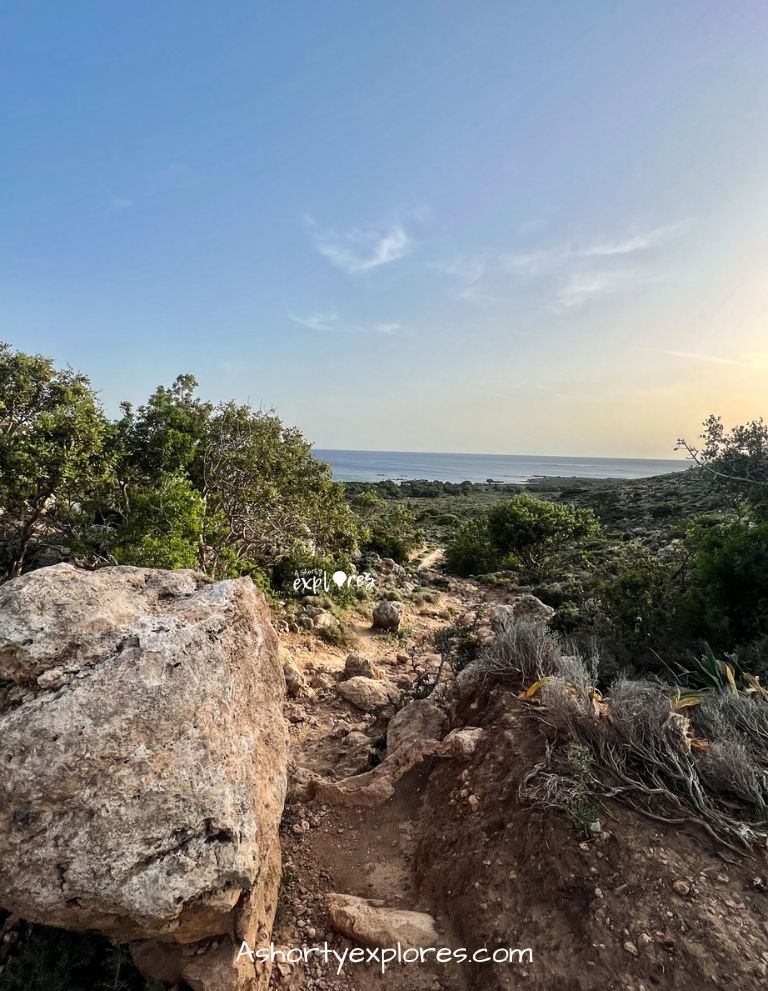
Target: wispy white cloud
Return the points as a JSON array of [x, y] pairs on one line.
[[469, 274], [584, 287], [550, 259], [317, 321], [359, 250], [330, 322], [569, 272], [745, 360], [633, 243], [384, 328]]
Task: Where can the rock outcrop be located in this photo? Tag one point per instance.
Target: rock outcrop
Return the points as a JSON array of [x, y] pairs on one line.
[[144, 761], [524, 606], [357, 665], [367, 694], [417, 721], [388, 615]]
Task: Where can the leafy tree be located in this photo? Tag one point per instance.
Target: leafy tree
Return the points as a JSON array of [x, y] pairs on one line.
[[165, 435], [163, 525], [526, 529], [471, 552], [52, 454], [738, 458], [388, 530], [265, 495]]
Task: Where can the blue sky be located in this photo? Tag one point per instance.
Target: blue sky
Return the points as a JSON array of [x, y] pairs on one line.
[[509, 227]]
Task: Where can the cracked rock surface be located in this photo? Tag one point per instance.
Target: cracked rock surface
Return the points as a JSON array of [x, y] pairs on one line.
[[143, 753]]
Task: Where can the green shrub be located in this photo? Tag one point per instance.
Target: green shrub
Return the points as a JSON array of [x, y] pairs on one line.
[[386, 529], [730, 581], [449, 520], [163, 526], [518, 533], [524, 529], [643, 602], [338, 635], [471, 552]]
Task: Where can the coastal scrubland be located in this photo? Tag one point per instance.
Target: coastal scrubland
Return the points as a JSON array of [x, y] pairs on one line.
[[600, 644]]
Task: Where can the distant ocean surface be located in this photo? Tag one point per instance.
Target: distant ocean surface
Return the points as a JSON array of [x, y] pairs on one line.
[[374, 466]]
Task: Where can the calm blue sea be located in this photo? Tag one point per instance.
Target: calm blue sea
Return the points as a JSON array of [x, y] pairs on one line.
[[373, 466]]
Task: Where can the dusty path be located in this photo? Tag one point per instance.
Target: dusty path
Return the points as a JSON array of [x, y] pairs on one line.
[[366, 852], [430, 560]]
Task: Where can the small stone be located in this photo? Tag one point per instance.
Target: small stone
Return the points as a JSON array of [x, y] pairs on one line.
[[681, 888], [644, 939], [599, 893], [630, 947]]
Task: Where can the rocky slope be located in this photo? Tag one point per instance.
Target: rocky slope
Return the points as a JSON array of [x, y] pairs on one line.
[[416, 808], [405, 819]]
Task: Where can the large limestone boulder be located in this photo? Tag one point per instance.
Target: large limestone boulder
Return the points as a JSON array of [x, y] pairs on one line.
[[367, 694], [524, 607], [419, 720], [357, 665], [144, 757], [388, 615]]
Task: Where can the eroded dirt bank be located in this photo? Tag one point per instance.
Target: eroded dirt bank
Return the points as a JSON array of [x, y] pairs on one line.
[[439, 828]]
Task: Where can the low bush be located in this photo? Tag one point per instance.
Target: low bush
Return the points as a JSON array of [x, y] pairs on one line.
[[699, 759], [470, 552], [520, 533]]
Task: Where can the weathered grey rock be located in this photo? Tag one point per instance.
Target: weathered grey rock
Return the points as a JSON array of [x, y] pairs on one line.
[[373, 924], [388, 615], [527, 606], [357, 665], [524, 606], [324, 621], [462, 743], [145, 776], [295, 682], [501, 616], [419, 720], [367, 694]]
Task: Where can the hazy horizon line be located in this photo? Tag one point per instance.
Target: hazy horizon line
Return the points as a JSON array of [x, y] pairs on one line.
[[491, 454]]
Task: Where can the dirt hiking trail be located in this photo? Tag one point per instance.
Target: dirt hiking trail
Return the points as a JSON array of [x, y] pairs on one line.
[[639, 907]]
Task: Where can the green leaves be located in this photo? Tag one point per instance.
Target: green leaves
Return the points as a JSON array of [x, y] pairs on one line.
[[517, 533], [52, 453], [526, 527], [177, 482]]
